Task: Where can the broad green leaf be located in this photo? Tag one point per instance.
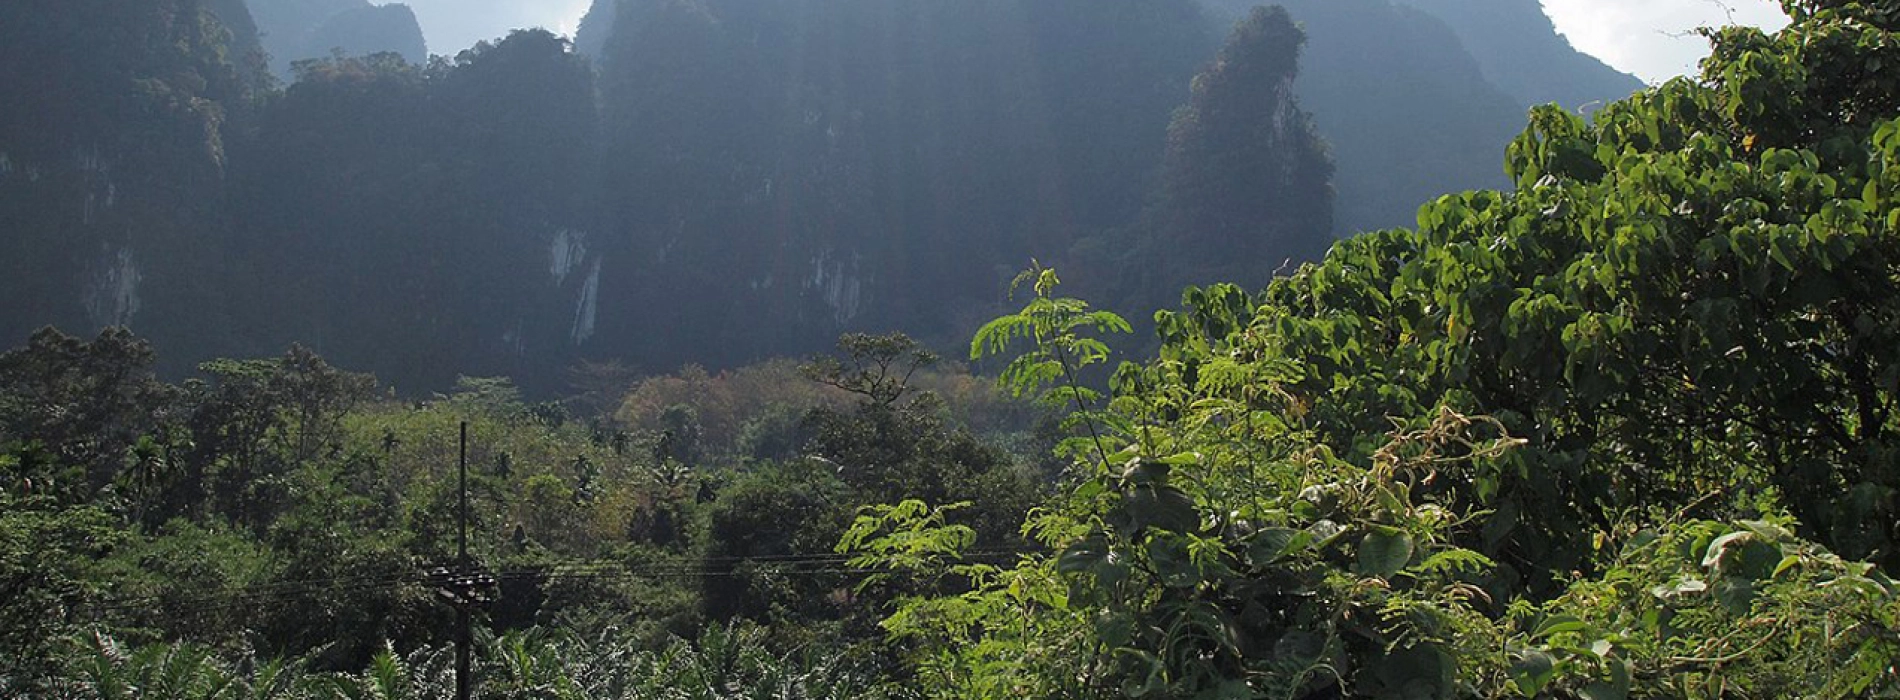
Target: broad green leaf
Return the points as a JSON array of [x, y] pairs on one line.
[[1616, 687], [1273, 544], [1382, 554], [1164, 508], [1735, 594], [1532, 670], [1172, 563], [1423, 672], [1083, 556], [1557, 624]]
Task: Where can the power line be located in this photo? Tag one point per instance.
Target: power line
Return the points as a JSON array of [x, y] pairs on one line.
[[286, 590]]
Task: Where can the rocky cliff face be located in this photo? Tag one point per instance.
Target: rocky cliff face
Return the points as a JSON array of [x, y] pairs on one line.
[[113, 155]]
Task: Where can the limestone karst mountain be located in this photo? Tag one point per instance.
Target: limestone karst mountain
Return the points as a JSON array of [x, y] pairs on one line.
[[710, 181]]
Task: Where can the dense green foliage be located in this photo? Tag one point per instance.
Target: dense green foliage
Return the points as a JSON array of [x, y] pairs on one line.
[[725, 662], [1555, 441], [281, 509]]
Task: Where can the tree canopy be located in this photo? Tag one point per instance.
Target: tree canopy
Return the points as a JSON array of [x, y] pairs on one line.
[[1601, 436]]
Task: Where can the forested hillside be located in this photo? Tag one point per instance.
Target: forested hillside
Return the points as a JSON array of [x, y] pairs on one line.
[[711, 182], [1623, 427], [421, 222], [777, 172]]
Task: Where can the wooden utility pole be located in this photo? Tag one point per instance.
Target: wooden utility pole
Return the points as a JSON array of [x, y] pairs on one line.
[[464, 585], [463, 619]]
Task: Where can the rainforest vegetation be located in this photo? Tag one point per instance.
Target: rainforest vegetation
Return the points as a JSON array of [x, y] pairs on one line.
[[1623, 425]]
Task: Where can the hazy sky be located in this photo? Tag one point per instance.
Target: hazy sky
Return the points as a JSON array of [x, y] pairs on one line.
[[1647, 37], [453, 25], [1652, 38]]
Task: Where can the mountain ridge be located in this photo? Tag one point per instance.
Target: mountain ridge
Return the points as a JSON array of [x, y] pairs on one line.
[[296, 30]]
